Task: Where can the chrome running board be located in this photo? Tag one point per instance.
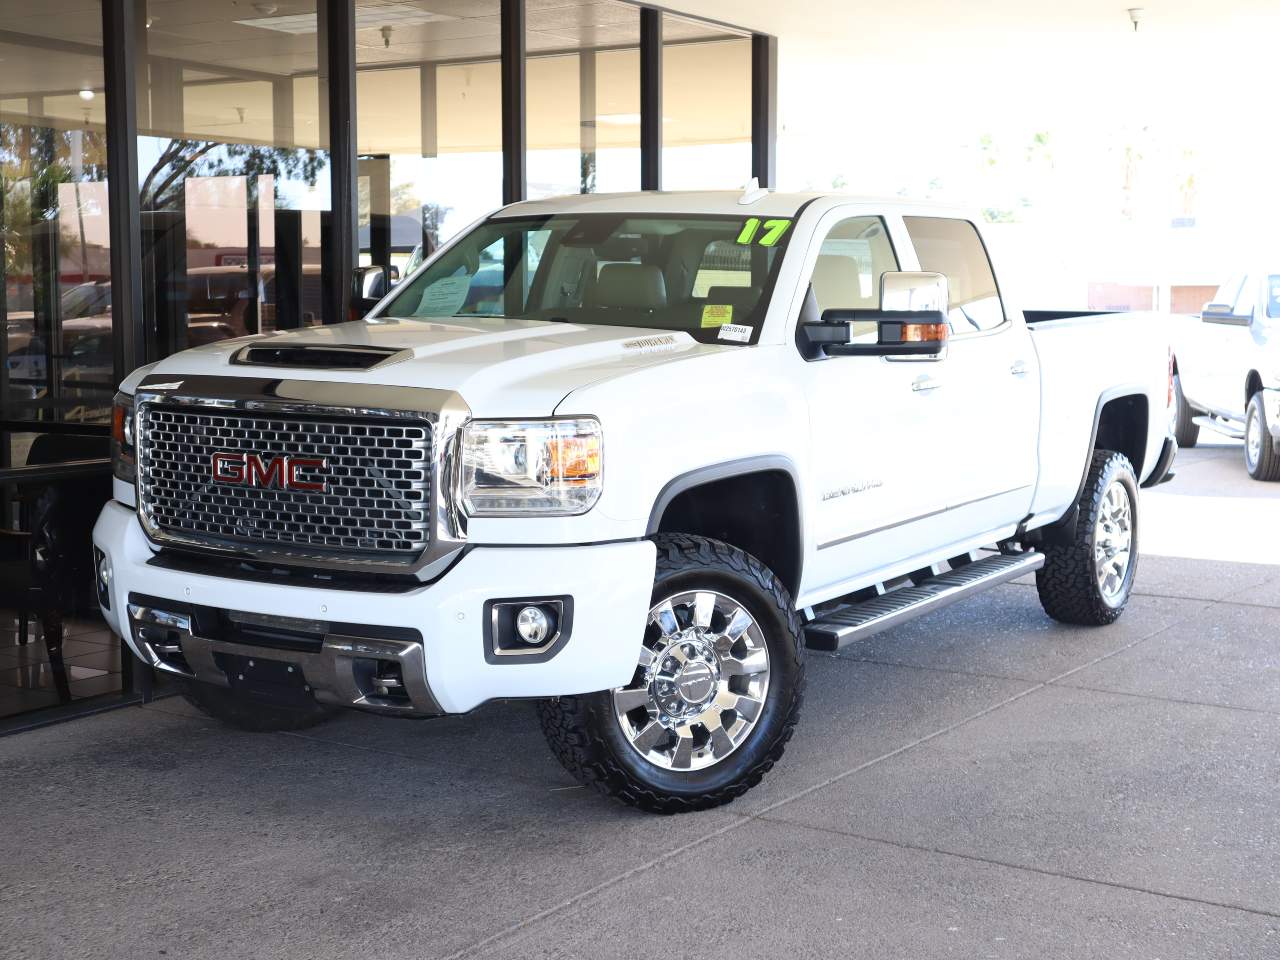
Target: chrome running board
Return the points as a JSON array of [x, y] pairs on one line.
[[858, 620], [1228, 428]]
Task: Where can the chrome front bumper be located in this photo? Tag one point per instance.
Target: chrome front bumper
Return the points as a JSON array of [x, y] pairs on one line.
[[370, 673], [433, 634]]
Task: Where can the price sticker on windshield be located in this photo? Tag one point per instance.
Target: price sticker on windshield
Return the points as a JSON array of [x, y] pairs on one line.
[[766, 233]]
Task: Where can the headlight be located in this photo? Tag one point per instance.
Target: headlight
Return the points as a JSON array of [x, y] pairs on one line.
[[531, 467], [123, 454]]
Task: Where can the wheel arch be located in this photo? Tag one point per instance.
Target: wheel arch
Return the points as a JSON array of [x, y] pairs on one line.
[[752, 503], [1121, 422], [1252, 385]]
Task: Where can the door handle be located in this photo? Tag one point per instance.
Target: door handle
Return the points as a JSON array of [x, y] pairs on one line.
[[923, 384], [1019, 368]]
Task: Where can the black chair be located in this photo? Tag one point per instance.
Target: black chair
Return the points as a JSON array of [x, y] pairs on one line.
[[31, 582], [46, 567]]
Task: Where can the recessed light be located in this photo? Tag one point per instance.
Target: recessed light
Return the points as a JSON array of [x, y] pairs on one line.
[[86, 94]]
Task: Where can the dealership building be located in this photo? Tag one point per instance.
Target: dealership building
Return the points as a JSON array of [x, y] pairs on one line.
[[174, 173]]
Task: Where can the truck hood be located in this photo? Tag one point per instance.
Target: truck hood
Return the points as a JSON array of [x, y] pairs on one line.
[[501, 367]]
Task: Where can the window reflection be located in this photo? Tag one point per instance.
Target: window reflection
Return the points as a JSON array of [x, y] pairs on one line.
[[233, 174], [54, 238], [429, 131], [706, 106], [584, 106]]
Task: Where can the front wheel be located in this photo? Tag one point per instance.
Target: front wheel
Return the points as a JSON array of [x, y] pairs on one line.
[[1260, 456], [1087, 580], [715, 694]]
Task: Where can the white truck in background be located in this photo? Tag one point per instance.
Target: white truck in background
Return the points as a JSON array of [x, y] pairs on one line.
[[1227, 371], [627, 456]]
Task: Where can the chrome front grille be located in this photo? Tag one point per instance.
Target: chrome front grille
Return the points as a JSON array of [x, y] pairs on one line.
[[377, 498]]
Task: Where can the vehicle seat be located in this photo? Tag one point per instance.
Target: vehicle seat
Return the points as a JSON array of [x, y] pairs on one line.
[[634, 286]]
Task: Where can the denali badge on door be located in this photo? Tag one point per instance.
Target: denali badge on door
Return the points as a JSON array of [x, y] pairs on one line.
[[251, 470]]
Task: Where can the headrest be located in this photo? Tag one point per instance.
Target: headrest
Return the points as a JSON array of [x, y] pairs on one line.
[[837, 284], [638, 286]]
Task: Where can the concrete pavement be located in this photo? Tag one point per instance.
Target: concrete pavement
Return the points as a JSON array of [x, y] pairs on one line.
[[980, 783]]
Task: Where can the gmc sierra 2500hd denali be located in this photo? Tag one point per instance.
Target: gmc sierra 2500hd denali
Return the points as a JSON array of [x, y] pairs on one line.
[[628, 456]]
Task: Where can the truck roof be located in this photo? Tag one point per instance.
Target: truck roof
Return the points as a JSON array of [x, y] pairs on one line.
[[725, 202]]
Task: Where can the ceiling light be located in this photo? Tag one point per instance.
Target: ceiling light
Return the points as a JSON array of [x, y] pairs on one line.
[[86, 94]]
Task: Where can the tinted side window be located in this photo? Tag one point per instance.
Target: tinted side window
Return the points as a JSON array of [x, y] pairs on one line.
[[1245, 299], [954, 249], [850, 261], [1227, 293]]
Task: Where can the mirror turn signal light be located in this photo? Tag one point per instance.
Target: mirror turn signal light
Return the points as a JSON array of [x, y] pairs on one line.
[[923, 333]]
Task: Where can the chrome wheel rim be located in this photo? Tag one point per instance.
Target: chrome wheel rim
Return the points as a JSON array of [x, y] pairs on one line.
[[700, 684], [1253, 437], [1175, 407], [1113, 542]]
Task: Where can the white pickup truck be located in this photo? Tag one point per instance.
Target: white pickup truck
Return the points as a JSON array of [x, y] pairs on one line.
[[1227, 371], [627, 456]]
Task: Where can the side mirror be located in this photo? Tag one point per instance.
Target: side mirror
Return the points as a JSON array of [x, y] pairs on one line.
[[1224, 313], [911, 321], [368, 286]]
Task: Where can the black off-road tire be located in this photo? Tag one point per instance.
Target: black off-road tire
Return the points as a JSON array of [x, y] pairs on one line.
[[1068, 582], [238, 710], [1267, 465], [584, 734], [1185, 432]]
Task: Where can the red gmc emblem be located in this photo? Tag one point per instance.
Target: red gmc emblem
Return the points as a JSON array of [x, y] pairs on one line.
[[251, 470]]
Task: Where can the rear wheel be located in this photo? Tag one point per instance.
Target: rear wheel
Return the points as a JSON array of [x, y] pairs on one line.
[[1260, 456], [715, 694], [1088, 579], [249, 713], [1184, 431]]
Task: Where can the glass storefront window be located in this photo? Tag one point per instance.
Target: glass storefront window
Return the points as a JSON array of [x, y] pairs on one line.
[[56, 358], [429, 127], [583, 119], [56, 363], [233, 172], [706, 106]]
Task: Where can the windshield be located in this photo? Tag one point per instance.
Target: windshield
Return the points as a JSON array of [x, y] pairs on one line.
[[697, 274]]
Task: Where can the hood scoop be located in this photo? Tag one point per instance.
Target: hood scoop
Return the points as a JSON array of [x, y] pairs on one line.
[[318, 356]]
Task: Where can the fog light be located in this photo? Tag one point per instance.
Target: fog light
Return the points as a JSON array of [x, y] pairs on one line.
[[526, 629], [532, 625], [104, 573]]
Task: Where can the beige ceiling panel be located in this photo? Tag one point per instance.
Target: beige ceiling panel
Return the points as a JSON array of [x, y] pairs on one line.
[[581, 15], [469, 107], [307, 129], [553, 111], [388, 111], [31, 70], [706, 92], [239, 112], [618, 98]]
